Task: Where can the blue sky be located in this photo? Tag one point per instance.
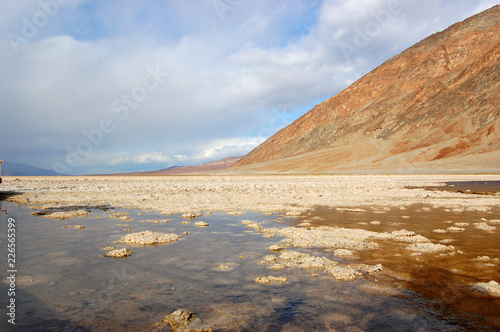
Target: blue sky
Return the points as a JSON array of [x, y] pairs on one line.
[[92, 86]]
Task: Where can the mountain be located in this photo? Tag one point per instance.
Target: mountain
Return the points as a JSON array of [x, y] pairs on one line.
[[432, 108], [203, 168], [15, 169]]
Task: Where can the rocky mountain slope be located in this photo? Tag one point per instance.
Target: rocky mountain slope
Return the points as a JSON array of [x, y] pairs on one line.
[[434, 107]]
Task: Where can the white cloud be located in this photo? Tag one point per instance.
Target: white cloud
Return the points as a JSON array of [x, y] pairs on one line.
[[143, 158], [229, 147]]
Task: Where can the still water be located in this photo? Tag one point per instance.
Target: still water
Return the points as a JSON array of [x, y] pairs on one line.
[[63, 282]]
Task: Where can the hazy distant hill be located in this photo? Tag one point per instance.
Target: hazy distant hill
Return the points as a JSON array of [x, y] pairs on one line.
[[15, 169], [435, 106], [203, 168]]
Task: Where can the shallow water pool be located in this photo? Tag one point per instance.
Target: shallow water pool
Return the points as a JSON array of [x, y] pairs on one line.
[[63, 282]]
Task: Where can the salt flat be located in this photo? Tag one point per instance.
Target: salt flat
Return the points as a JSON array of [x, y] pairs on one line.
[[180, 194]]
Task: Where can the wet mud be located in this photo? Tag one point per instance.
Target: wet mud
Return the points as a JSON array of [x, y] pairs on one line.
[[491, 188]]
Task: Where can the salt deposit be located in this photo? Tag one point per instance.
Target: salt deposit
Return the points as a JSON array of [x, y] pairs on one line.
[[289, 258], [235, 213], [490, 288], [240, 193], [270, 279], [191, 215], [293, 214], [148, 238], [349, 239], [61, 215], [226, 267], [482, 258], [455, 229], [118, 253], [484, 226], [183, 320], [429, 247]]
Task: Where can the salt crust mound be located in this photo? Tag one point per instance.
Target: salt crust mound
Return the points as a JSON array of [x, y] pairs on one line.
[[191, 215], [66, 214], [491, 288], [293, 214], [270, 279], [148, 238], [342, 238], [118, 253], [183, 320], [235, 213], [343, 252], [289, 258], [429, 247], [484, 226]]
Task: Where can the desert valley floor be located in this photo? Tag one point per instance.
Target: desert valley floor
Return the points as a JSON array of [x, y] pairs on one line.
[[268, 253]]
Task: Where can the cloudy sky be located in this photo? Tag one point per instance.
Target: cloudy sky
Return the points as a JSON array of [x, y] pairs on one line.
[[104, 86]]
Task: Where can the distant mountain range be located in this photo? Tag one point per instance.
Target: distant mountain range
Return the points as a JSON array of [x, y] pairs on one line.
[[203, 168], [435, 107], [15, 169]]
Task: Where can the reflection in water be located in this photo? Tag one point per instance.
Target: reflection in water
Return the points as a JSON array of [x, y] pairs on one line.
[[66, 283]]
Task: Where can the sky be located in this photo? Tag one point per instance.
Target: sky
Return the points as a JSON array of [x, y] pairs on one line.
[[107, 86]]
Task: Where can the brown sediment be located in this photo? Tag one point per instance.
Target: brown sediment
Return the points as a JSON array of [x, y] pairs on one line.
[[448, 278]]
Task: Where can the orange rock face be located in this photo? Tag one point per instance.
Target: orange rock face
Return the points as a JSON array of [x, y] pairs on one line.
[[435, 103]]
